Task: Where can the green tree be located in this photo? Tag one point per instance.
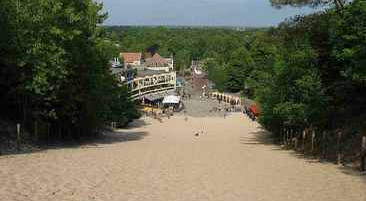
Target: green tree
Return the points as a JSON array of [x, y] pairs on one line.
[[58, 59], [349, 36], [314, 3]]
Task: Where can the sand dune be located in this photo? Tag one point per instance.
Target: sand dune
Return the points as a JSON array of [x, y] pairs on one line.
[[166, 161]]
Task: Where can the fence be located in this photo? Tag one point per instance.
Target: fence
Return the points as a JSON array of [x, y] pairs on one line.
[[328, 145], [11, 138]]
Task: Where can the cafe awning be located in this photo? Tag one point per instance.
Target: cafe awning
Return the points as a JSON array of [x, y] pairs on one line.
[[171, 99]]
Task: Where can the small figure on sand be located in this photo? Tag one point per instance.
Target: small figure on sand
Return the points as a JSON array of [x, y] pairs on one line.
[[202, 132]]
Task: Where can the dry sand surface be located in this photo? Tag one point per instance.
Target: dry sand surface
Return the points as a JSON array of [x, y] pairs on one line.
[[165, 161]]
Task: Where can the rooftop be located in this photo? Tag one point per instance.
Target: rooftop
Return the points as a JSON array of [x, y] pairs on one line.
[[156, 60], [131, 57]]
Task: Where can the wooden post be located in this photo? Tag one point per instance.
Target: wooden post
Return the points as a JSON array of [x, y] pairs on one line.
[[339, 151], [59, 135], [284, 135], [18, 137], [0, 146], [363, 154], [324, 143], [36, 130], [296, 142], [303, 141], [48, 133], [290, 138], [312, 141]]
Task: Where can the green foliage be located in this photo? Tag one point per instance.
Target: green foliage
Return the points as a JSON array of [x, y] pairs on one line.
[[217, 74], [313, 3], [320, 79], [349, 37], [58, 51], [184, 44]]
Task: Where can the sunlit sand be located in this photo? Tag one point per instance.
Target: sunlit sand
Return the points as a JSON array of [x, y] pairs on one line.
[[233, 160]]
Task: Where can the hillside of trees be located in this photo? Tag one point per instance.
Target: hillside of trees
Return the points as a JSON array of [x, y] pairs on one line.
[[54, 71], [184, 43], [307, 73]]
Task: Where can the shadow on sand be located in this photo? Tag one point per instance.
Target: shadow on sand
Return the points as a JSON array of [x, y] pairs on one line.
[[263, 137], [138, 123], [116, 137], [106, 138]]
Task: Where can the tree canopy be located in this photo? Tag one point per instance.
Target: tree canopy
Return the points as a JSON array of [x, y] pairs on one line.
[[313, 3], [54, 57]]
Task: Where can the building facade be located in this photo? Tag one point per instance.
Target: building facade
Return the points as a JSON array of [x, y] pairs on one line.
[[146, 77], [150, 84]]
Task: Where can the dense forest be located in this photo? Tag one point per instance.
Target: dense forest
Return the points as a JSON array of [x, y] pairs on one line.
[[184, 43], [307, 73], [54, 71]]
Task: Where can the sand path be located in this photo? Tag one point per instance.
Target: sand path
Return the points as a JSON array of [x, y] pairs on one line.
[[165, 161]]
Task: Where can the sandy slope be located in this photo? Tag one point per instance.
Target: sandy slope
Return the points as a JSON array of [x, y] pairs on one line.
[[165, 161]]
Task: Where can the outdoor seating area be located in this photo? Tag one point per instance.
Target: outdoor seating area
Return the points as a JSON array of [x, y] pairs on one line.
[[232, 99]]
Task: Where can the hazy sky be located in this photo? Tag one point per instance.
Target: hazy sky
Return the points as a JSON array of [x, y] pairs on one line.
[[197, 12]]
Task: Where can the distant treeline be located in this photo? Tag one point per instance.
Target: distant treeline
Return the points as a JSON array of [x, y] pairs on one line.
[[54, 71], [185, 44], [235, 28], [306, 74]]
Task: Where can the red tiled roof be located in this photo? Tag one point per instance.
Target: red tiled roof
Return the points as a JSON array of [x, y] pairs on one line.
[[130, 57]]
